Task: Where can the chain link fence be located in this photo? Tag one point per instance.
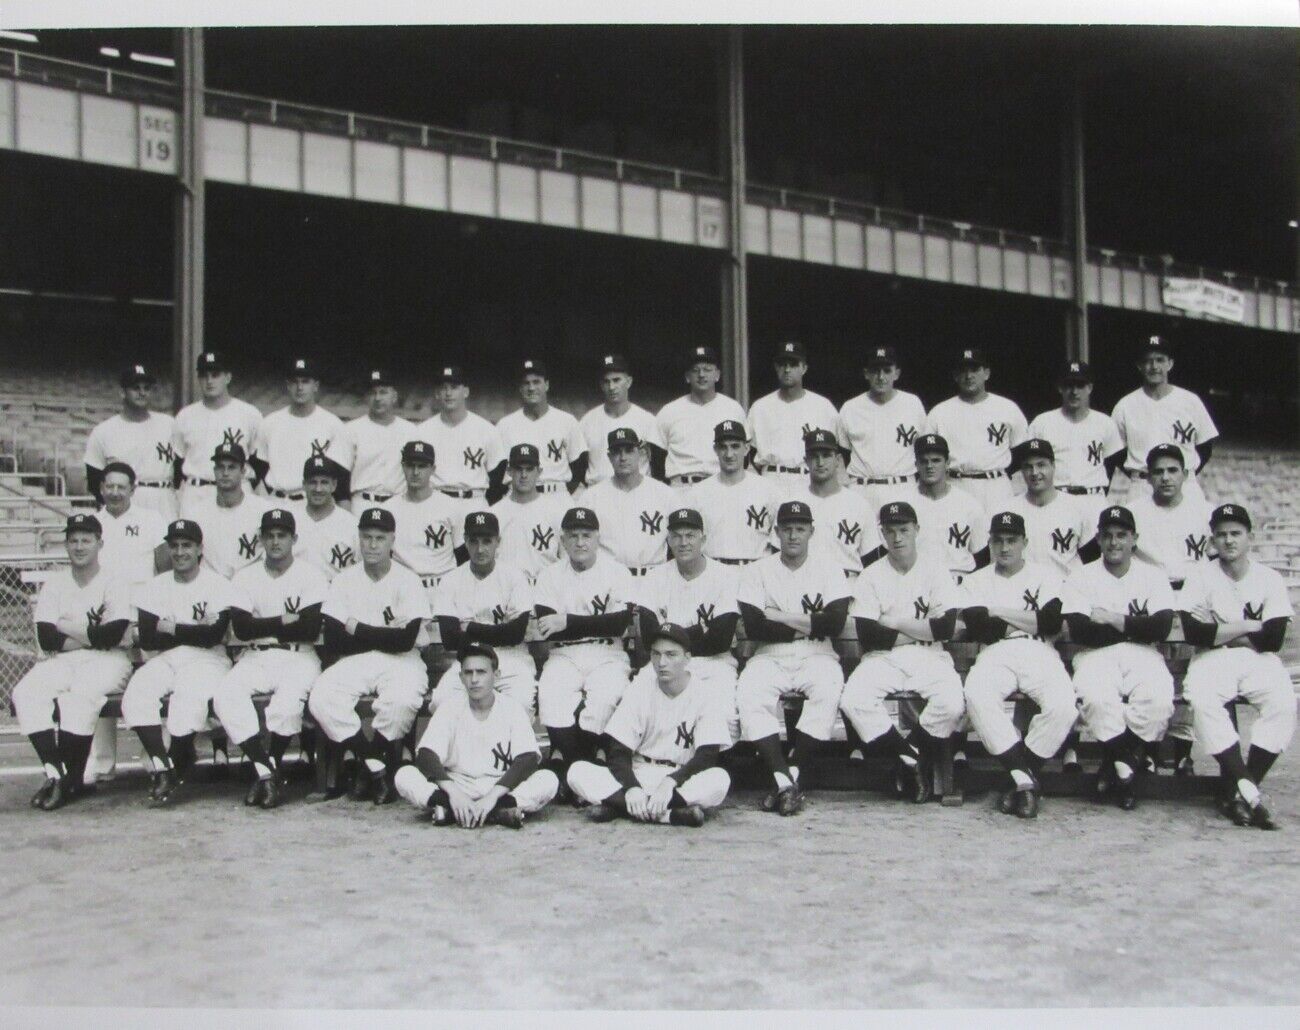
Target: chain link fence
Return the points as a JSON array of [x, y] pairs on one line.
[[20, 579]]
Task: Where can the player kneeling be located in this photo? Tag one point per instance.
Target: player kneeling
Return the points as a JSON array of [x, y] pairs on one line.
[[1014, 606], [1239, 610], [665, 737], [477, 761]]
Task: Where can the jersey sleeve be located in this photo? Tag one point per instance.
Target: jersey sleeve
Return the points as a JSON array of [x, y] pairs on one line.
[[1111, 440], [49, 602], [336, 602], [711, 726], [179, 446], [726, 592], [239, 594], [1277, 602], [1206, 430], [117, 601], [495, 448], [545, 592], [623, 586], [575, 442], [343, 448], [979, 527], [627, 724], [866, 601], [750, 588], [437, 735], [412, 601], [95, 456], [315, 587], [258, 444], [523, 741], [1118, 415], [1162, 594], [653, 434], [1194, 598], [1019, 428], [944, 594], [1074, 600]]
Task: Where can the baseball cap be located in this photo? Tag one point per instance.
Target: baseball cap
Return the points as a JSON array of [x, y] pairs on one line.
[[624, 436], [1230, 513], [671, 631], [184, 529], [897, 512], [1007, 522], [793, 511], [729, 429], [881, 356], [378, 518], [133, 374], [303, 367], [482, 523], [379, 377], [450, 374], [614, 363], [685, 518], [477, 649], [580, 518], [791, 350], [1166, 450], [1035, 448], [702, 355], [417, 452], [524, 454], [1116, 516], [972, 356], [319, 465], [83, 522], [230, 452], [211, 361], [279, 518], [532, 367], [1157, 345], [1075, 372], [820, 440], [930, 443]]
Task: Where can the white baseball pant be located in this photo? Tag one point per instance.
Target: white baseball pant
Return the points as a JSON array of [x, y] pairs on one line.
[[596, 674], [816, 677], [79, 682], [516, 678], [161, 499], [286, 675], [532, 795], [594, 783], [928, 671], [1215, 677], [1124, 685], [719, 676], [1035, 669], [187, 676], [398, 683]]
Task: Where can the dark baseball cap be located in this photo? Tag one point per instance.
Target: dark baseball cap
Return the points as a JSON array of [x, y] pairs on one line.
[[478, 649], [137, 373], [1166, 450], [482, 523], [1230, 513], [211, 361], [685, 518], [83, 522], [972, 357], [524, 454], [580, 518], [302, 368], [880, 356], [793, 511], [1075, 372], [378, 377], [417, 452], [614, 363], [791, 350], [930, 443], [820, 440], [184, 529], [279, 518], [378, 518], [1157, 345], [897, 512], [230, 452], [702, 355], [450, 374], [1007, 522], [730, 429], [532, 367], [1035, 448], [671, 631], [623, 436], [1117, 515], [319, 465]]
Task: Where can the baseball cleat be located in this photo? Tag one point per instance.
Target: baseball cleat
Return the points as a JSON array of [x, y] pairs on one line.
[[57, 797], [602, 813], [789, 800], [1239, 811], [363, 783], [385, 792], [255, 792], [1007, 802], [38, 799], [1070, 761], [1185, 767], [1124, 793], [511, 818], [1261, 817], [1105, 780], [768, 803], [1027, 803], [165, 787], [691, 815], [440, 815], [271, 796]]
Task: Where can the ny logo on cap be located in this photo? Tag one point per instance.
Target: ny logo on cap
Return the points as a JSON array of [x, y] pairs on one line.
[[680, 513], [376, 375], [968, 354], [446, 372], [300, 364], [277, 513], [699, 352], [528, 364], [880, 352], [789, 347], [139, 370], [1074, 367], [479, 520], [893, 509], [1155, 341], [1006, 519], [579, 515], [609, 359]]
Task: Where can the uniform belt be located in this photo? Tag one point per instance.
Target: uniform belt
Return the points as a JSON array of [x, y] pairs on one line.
[[1079, 491], [736, 561], [640, 570], [584, 640], [431, 579], [197, 481], [288, 495], [653, 761], [157, 484], [852, 573], [782, 468], [688, 477], [995, 474], [367, 495], [552, 488], [879, 480], [280, 647], [463, 495]]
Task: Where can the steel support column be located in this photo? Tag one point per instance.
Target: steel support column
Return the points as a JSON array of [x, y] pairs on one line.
[[734, 292], [1076, 226], [187, 264]]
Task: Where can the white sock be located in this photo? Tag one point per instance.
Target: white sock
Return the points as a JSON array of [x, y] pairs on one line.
[[1022, 778], [53, 771], [1123, 770], [1248, 791], [375, 765], [263, 771], [782, 780]]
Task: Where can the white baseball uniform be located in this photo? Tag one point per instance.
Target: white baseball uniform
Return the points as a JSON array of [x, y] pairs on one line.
[[803, 666], [463, 453], [925, 591], [776, 430], [633, 523], [1121, 684], [372, 453], [330, 544], [1055, 530], [398, 682], [428, 533], [557, 438], [198, 432], [594, 670], [980, 436], [687, 427], [879, 438], [1019, 661], [844, 527], [232, 537], [130, 540], [1081, 450], [1179, 418], [266, 666], [1176, 536], [951, 529], [147, 447], [1221, 673], [597, 424], [286, 441], [530, 533], [738, 517]]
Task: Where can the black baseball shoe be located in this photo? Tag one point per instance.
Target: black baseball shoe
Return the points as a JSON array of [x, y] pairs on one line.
[[1007, 802], [789, 800], [1239, 811], [691, 815], [385, 791], [602, 813], [363, 782], [38, 799], [165, 787], [256, 790], [1027, 802], [57, 796], [1185, 767], [272, 791], [1261, 817], [1124, 792], [511, 818]]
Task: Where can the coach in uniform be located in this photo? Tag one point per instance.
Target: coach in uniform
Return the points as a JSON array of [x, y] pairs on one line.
[[561, 448], [738, 506], [529, 519], [1059, 533], [327, 534], [687, 422], [618, 412], [139, 438], [290, 435], [951, 526], [232, 517], [81, 617], [780, 422], [428, 522], [215, 420], [468, 446], [369, 447], [133, 535], [847, 531], [631, 507], [665, 738], [878, 429]]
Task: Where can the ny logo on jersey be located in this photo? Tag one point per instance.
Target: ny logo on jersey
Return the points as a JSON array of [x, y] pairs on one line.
[[292, 604], [1184, 433], [921, 607], [435, 537], [1254, 612], [905, 435], [651, 522], [498, 614], [341, 556], [318, 448], [1094, 452], [998, 432], [165, 452], [958, 536], [388, 615], [474, 457], [199, 611], [502, 756], [703, 613], [848, 532], [812, 604], [132, 530], [599, 605], [1030, 597], [232, 437], [1063, 542], [248, 545], [542, 538], [756, 517], [554, 450], [1136, 607], [95, 616], [685, 737], [1196, 546]]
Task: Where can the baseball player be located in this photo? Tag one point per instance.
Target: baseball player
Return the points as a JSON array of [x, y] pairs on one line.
[[848, 534], [373, 613], [133, 547], [665, 738], [780, 422], [1173, 529], [468, 445], [1159, 412], [290, 435], [698, 594], [529, 519], [232, 517], [560, 444], [738, 506], [183, 616], [618, 412], [215, 420], [1118, 609], [276, 613], [477, 762], [878, 429], [631, 507], [82, 614], [369, 447], [1058, 532], [1238, 610], [904, 607], [1013, 608], [793, 604], [486, 601], [1087, 443], [951, 523], [428, 522], [139, 438], [327, 534], [981, 428], [584, 603], [687, 422]]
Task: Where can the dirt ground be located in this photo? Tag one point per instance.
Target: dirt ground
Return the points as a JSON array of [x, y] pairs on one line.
[[858, 902]]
